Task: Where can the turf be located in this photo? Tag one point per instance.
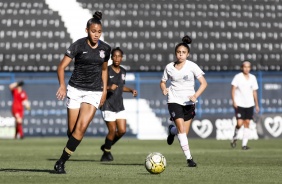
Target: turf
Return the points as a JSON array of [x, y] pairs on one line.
[[31, 161]]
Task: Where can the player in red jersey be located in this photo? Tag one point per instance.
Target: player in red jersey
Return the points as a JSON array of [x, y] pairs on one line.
[[20, 100]]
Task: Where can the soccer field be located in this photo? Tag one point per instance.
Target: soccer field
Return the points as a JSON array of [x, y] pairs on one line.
[[31, 161]]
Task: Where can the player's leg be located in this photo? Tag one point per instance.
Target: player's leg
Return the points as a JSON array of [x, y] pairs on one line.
[[72, 118], [249, 112], [183, 140], [121, 129], [106, 147], [172, 130], [18, 125], [246, 133], [86, 114], [121, 125], [239, 122], [110, 119]]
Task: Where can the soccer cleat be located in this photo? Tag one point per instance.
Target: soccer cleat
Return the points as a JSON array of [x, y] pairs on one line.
[[245, 147], [191, 163], [107, 156], [233, 143], [59, 167], [170, 137]]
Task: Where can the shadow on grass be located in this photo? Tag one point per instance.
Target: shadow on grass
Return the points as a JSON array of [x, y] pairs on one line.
[[74, 160], [111, 163], [26, 170]]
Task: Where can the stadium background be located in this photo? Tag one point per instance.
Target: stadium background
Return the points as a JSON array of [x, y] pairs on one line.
[[34, 35]]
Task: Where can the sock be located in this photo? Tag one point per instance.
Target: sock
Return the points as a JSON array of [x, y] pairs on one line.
[[236, 133], [183, 140], [246, 133], [174, 130], [70, 148], [108, 145], [115, 140], [20, 129]]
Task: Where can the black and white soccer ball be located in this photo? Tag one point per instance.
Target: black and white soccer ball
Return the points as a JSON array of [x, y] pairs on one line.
[[155, 163]]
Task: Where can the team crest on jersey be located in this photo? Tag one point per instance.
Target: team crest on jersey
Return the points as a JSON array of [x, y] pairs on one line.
[[102, 53], [185, 77], [122, 76]]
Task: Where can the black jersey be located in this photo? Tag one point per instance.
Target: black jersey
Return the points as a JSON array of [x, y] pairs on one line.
[[87, 74], [114, 101]]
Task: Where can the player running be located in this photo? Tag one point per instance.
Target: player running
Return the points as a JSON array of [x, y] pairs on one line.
[[87, 87], [181, 95], [113, 110]]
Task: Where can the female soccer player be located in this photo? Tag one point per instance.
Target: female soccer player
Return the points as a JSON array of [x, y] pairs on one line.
[[113, 108], [20, 100], [244, 98], [181, 95], [87, 87]]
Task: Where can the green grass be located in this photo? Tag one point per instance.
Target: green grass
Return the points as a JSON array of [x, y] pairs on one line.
[[31, 161]]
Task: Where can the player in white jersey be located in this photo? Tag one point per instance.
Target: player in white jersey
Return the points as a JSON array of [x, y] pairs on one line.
[[244, 98], [181, 95]]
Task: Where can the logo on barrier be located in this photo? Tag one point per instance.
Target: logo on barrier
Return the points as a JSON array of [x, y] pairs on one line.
[[202, 128], [274, 125]]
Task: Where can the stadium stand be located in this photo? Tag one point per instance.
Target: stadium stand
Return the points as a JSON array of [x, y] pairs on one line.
[[33, 36]]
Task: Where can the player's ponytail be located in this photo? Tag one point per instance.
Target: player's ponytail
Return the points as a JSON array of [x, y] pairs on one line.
[[185, 41], [96, 19]]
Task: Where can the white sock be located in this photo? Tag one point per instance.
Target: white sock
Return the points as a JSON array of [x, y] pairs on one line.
[[246, 134], [183, 140], [173, 130]]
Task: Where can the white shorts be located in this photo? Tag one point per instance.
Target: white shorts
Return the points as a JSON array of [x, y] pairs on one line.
[[76, 96], [112, 116]]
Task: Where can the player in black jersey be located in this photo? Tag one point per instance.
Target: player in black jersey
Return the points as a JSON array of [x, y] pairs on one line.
[[113, 108], [87, 87]]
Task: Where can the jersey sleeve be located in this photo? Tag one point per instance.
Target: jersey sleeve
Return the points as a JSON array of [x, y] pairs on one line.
[[107, 54], [72, 50], [198, 72], [255, 84], [234, 81], [165, 75]]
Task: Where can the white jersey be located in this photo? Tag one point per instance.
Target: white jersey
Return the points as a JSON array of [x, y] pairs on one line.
[[244, 90], [182, 82]]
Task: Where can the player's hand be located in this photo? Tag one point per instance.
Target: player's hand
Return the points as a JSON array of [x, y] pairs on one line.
[[103, 99], [165, 91], [235, 106], [61, 93], [113, 87], [257, 109], [193, 98], [134, 93]]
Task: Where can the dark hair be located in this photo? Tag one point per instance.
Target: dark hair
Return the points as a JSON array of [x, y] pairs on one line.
[[116, 49], [20, 83], [185, 41], [97, 16], [242, 64]]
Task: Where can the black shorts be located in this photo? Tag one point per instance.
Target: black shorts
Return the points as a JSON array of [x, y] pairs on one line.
[[178, 111], [244, 113]]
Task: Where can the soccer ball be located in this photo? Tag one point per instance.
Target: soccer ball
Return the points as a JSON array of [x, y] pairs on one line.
[[155, 163]]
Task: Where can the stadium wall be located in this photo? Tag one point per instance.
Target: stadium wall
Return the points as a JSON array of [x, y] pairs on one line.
[[147, 114]]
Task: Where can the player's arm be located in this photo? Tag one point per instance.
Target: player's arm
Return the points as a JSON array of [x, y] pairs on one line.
[[15, 84], [233, 88], [62, 91], [105, 82], [256, 100], [26, 104], [201, 89], [133, 91], [163, 87]]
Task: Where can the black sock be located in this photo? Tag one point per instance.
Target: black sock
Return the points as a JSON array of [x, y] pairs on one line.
[[115, 139], [108, 144], [70, 148]]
